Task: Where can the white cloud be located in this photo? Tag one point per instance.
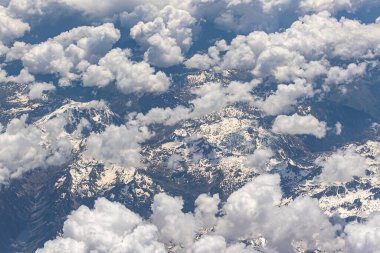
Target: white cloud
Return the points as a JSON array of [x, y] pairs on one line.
[[11, 28], [36, 90], [144, 12], [118, 144], [23, 77], [364, 237], [4, 2], [24, 147], [204, 62], [249, 213], [334, 6], [253, 211], [247, 208], [218, 244], [93, 11], [68, 53], [341, 166], [27, 8], [174, 225], [301, 51], [85, 52], [103, 8], [207, 207], [99, 76], [109, 227], [259, 158], [286, 97], [210, 98], [213, 97], [3, 49], [249, 15], [63, 245], [17, 51], [130, 76], [338, 128], [297, 125], [337, 75], [166, 37]]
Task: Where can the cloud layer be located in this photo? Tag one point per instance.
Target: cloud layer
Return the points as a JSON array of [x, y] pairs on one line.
[[253, 211], [24, 147], [299, 125]]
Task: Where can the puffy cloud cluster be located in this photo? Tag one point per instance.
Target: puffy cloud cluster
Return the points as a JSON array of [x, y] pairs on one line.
[[253, 211], [338, 128], [36, 90], [239, 16], [301, 51], [285, 98], [84, 53], [334, 6], [249, 213], [70, 52], [129, 76], [218, 244], [364, 237], [338, 75], [24, 147], [109, 227], [342, 165], [118, 144], [10, 27], [249, 15], [259, 158], [109, 9], [23, 77], [166, 37], [210, 98], [299, 125]]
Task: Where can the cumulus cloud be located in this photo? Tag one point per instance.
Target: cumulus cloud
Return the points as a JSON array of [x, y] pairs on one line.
[[93, 11], [298, 125], [334, 6], [109, 227], [304, 50], [259, 158], [104, 10], [248, 15], [338, 128], [238, 16], [341, 166], [11, 28], [204, 62], [218, 244], [36, 90], [338, 75], [252, 211], [129, 76], [23, 77], [210, 98], [85, 53], [166, 37], [68, 53], [174, 225], [364, 237], [249, 213], [101, 9], [24, 147], [118, 144], [286, 97]]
